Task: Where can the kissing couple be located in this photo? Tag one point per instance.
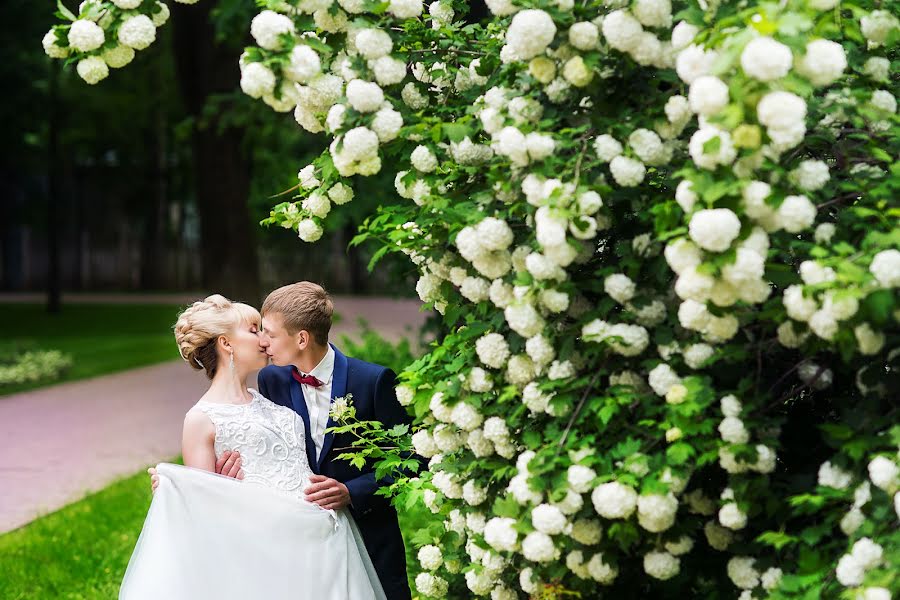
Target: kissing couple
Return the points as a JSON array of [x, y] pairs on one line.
[[261, 507]]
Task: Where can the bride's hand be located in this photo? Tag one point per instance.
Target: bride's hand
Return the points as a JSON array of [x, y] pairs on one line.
[[154, 479], [328, 493], [229, 465]]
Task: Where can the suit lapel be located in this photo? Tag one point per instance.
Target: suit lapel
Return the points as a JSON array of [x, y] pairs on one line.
[[338, 389], [299, 402]]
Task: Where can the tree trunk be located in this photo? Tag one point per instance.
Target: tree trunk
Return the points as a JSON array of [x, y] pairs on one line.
[[221, 167], [153, 243], [54, 189]]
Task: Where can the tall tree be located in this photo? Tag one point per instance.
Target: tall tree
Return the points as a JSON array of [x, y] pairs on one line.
[[207, 69]]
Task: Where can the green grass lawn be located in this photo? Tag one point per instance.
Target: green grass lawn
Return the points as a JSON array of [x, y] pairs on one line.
[[78, 552], [81, 551], [100, 339]]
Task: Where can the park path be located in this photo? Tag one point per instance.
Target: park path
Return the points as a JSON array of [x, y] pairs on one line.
[[61, 442]]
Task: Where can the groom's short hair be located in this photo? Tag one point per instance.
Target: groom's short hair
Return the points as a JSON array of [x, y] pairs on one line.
[[302, 305]]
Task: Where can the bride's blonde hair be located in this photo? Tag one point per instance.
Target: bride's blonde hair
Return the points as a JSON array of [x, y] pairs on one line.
[[201, 324]]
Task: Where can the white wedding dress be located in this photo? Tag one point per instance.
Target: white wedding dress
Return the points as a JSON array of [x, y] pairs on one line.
[[209, 537]]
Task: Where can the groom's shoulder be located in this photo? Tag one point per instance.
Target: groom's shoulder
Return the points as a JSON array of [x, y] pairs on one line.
[[365, 369], [275, 373]]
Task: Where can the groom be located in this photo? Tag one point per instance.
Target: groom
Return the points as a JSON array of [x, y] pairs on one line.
[[305, 375]]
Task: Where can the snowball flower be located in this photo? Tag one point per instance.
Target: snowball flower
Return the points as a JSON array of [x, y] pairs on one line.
[[708, 95], [884, 100], [626, 171], [732, 517], [423, 159], [304, 64], [529, 33], [580, 477], [267, 27], [364, 96], [584, 35], [620, 287], [810, 175], [714, 229], [781, 110], [877, 25], [492, 350], [867, 553], [692, 62], [92, 69], [118, 57], [683, 34], [548, 519], [662, 377], [661, 565], [732, 431], [885, 266], [51, 48], [741, 572], [431, 585], [309, 230], [430, 557], [796, 213], [85, 35], [137, 32], [373, 43], [500, 534], [710, 147], [621, 30], [870, 341], [765, 59], [834, 477], [607, 147], [849, 571], [884, 473], [653, 13], [257, 80], [538, 547], [614, 500], [823, 63], [656, 512]]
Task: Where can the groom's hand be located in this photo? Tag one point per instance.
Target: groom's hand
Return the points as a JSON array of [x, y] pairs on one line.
[[229, 465], [327, 492]]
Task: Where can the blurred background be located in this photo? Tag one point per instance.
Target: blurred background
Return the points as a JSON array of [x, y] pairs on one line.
[[121, 203], [156, 178]]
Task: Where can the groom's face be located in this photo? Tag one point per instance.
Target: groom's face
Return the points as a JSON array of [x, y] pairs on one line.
[[282, 347]]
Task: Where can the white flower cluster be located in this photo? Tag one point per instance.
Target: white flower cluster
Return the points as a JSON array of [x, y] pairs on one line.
[[625, 32], [851, 568]]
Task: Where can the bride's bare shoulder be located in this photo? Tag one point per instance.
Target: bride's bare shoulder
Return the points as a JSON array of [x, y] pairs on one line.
[[197, 423]]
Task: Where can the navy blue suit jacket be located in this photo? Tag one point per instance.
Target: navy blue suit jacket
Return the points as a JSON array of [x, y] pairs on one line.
[[372, 387]]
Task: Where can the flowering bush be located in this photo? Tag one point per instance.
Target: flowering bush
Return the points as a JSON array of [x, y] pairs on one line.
[[31, 366], [663, 238]]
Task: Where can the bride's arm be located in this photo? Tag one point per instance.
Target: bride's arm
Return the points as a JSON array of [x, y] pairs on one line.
[[198, 441]]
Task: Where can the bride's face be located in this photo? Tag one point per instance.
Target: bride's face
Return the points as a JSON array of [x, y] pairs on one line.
[[248, 354]]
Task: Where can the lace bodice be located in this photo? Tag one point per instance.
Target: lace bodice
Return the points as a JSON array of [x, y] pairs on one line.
[[271, 439]]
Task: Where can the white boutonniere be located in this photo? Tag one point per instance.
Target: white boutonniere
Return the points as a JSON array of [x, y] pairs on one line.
[[342, 409]]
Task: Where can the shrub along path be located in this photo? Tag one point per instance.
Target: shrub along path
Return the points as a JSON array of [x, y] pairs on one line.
[[61, 442]]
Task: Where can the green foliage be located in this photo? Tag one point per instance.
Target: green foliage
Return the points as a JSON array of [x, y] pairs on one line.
[[100, 339]]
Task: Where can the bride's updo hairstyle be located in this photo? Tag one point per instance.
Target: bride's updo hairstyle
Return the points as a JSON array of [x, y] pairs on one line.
[[201, 324]]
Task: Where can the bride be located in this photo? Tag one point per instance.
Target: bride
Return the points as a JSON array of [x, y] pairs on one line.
[[210, 536]]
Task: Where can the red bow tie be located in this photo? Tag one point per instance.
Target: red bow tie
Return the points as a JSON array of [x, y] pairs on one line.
[[307, 379]]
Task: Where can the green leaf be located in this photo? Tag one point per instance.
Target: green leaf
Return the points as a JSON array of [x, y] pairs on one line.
[[679, 453], [456, 132], [65, 11]]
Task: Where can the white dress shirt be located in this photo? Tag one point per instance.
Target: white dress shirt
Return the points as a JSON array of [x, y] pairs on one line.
[[318, 399]]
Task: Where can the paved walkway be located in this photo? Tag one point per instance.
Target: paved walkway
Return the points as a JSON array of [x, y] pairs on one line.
[[61, 442]]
